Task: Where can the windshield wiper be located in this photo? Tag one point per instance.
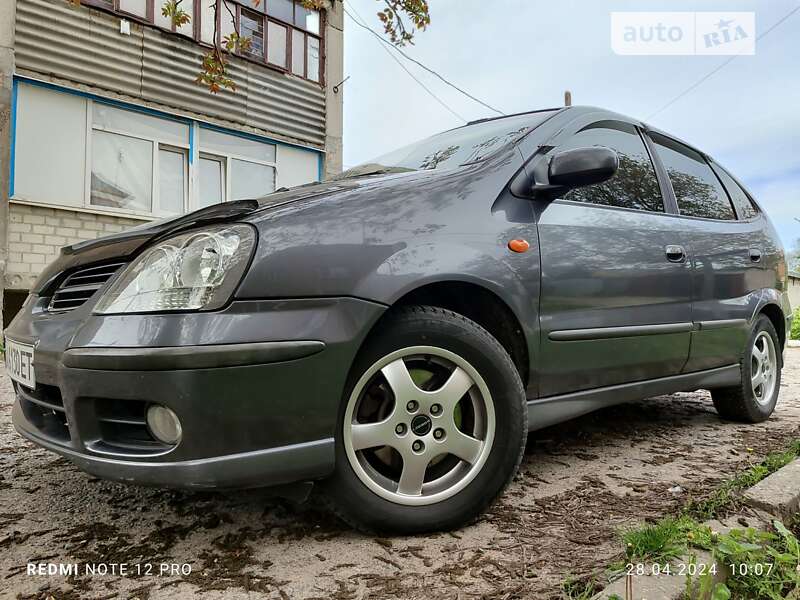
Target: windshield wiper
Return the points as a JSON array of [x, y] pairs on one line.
[[370, 169]]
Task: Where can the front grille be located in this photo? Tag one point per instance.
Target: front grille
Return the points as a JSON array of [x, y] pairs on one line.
[[80, 286], [44, 408]]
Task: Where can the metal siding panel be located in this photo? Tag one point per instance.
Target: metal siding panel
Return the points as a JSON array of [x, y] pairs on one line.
[[56, 39], [170, 67], [85, 46], [286, 104]]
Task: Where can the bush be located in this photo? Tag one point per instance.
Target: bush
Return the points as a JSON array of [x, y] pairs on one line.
[[795, 333]]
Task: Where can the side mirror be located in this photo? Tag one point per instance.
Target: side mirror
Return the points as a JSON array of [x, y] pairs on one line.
[[582, 166]]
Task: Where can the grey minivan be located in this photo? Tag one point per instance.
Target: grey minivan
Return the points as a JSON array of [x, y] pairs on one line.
[[395, 333]]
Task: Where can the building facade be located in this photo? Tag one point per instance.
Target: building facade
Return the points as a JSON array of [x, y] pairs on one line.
[[103, 126]]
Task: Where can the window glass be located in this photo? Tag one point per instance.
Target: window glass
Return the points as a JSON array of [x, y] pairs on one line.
[[276, 44], [160, 19], [212, 181], [635, 184], [207, 17], [252, 27], [122, 172], [227, 19], [250, 180], [298, 53], [313, 58], [221, 143], [109, 117], [259, 5], [741, 201], [306, 18], [171, 180], [135, 7], [459, 146], [697, 189], [281, 9], [312, 21], [188, 8]]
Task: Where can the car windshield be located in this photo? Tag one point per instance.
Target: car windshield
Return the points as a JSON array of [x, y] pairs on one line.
[[453, 148]]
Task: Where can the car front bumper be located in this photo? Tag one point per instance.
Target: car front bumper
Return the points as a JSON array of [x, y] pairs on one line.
[[257, 388]]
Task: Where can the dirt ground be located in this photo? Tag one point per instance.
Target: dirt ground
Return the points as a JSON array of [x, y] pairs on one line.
[[579, 484]]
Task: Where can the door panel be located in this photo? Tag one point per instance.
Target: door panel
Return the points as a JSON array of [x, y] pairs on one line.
[[607, 268], [727, 255], [726, 286], [615, 304]]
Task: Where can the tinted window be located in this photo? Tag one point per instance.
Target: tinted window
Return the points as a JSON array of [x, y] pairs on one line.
[[697, 189], [741, 201], [635, 184]]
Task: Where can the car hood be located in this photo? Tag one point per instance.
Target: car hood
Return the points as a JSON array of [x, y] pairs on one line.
[[126, 244]]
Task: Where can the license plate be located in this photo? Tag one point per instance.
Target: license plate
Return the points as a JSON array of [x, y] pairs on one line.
[[19, 363]]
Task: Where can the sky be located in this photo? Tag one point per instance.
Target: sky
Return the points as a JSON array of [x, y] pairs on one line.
[[519, 55]]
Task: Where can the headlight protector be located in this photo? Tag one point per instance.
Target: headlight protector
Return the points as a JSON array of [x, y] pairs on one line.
[[196, 270]]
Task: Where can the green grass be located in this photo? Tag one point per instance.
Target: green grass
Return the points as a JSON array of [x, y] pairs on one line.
[[726, 496], [795, 333], [762, 565], [658, 543], [579, 589], [676, 536]]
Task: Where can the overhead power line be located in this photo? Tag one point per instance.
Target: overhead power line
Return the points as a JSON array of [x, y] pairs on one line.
[[410, 74], [718, 68], [418, 63]]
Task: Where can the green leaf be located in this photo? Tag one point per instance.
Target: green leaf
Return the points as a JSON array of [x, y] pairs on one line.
[[721, 592]]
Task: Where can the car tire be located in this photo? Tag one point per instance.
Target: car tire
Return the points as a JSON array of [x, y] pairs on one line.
[[755, 398], [451, 491]]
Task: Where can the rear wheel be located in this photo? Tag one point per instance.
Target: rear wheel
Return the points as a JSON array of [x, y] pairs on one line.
[[432, 426], [755, 398]]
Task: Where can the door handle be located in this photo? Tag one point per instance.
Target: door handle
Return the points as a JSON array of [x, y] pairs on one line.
[[675, 253], [755, 255]]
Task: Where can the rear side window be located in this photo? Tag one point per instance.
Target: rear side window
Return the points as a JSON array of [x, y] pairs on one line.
[[697, 189], [635, 184], [741, 201]]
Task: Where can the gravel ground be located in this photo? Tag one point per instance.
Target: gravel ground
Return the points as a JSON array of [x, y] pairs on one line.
[[579, 483]]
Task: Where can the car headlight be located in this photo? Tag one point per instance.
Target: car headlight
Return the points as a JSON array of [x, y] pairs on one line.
[[197, 270]]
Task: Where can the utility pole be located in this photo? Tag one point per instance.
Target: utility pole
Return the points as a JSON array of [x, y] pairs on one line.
[[567, 98]]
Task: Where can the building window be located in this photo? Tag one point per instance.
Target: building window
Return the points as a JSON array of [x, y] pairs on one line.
[[81, 152], [251, 26], [212, 180], [172, 179], [128, 149], [134, 7], [277, 49], [234, 167], [282, 33], [122, 172], [298, 53]]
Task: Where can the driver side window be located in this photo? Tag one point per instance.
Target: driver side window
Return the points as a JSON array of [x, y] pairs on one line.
[[635, 184]]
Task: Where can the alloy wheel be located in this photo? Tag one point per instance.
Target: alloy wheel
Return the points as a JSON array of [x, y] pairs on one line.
[[419, 425], [763, 367]]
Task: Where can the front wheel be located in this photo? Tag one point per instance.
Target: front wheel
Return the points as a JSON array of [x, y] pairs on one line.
[[755, 398], [432, 427]]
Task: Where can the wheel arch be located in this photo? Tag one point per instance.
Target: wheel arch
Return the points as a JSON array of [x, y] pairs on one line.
[[775, 314], [478, 304]]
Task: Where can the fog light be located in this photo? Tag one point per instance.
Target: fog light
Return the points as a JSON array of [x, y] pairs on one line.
[[164, 424]]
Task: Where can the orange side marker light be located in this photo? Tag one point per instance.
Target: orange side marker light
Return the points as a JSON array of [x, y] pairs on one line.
[[519, 246]]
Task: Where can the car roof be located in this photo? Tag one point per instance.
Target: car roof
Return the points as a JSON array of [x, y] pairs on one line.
[[602, 113]]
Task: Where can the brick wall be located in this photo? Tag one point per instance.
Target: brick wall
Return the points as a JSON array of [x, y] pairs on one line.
[[36, 235]]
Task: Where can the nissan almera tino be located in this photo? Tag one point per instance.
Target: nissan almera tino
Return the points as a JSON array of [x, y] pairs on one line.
[[395, 333]]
